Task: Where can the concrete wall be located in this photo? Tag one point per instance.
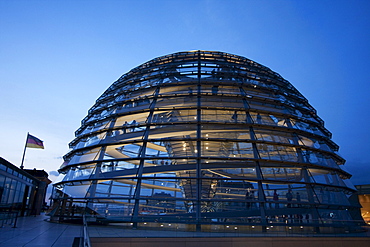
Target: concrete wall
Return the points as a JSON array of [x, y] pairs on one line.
[[234, 242]]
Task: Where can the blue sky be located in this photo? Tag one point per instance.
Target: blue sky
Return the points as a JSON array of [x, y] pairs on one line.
[[58, 57]]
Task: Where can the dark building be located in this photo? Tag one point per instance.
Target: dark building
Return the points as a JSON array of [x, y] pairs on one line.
[[44, 181], [214, 137], [22, 191]]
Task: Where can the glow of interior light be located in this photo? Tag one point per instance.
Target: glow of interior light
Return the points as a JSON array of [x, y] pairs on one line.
[[161, 225], [206, 134], [267, 228], [144, 223], [196, 151], [206, 147], [227, 226], [290, 228], [301, 227], [169, 225], [236, 228], [195, 117], [253, 227]]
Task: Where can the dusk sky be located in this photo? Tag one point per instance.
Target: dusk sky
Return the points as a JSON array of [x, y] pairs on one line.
[[58, 57]]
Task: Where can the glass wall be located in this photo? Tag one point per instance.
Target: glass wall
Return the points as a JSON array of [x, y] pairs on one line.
[[203, 137], [17, 189]]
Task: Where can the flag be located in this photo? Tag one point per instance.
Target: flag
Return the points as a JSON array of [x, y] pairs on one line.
[[34, 142]]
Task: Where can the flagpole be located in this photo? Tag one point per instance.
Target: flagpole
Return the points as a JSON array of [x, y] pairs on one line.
[[24, 151]]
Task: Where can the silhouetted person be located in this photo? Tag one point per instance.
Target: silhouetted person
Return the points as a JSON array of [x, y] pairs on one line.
[[235, 117], [214, 90], [289, 198], [133, 125], [276, 199], [125, 127]]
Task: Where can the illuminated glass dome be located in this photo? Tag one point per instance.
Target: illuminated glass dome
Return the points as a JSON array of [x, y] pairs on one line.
[[204, 138]]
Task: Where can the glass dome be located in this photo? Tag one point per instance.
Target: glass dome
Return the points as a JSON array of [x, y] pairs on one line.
[[204, 138]]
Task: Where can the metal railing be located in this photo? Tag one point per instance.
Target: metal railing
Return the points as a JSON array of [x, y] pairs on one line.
[[8, 218], [85, 239]]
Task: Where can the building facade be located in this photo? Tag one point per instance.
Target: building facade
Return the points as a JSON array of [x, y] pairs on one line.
[[204, 138], [21, 191]]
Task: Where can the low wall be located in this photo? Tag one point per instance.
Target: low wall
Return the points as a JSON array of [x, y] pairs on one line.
[[234, 242]]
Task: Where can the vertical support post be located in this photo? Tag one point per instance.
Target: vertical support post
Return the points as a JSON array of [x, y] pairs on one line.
[[142, 156], [198, 148]]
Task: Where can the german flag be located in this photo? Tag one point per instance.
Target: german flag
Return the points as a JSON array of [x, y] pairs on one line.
[[34, 142]]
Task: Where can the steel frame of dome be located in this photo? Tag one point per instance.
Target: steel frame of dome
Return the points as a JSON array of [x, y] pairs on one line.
[[203, 138]]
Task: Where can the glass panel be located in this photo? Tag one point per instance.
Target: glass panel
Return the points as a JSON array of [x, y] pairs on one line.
[[327, 195], [282, 174], [306, 127], [332, 216], [224, 132], [273, 136], [222, 102], [177, 90], [130, 150], [234, 172], [318, 158], [166, 132], [227, 149], [130, 121], [91, 140], [223, 116], [215, 89], [259, 106], [175, 102], [75, 190], [274, 152], [122, 151], [85, 156], [174, 116], [120, 208]]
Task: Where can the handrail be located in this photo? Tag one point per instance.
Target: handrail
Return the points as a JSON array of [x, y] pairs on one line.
[[85, 241]]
